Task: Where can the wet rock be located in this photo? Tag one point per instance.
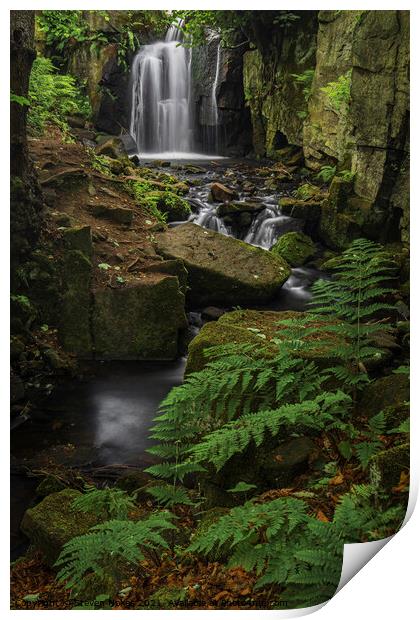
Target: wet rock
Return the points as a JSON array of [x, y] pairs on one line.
[[79, 238], [282, 464], [303, 209], [390, 391], [221, 269], [74, 327], [222, 193], [211, 313], [135, 482], [53, 522], [140, 321], [295, 247], [235, 207], [121, 215], [77, 122]]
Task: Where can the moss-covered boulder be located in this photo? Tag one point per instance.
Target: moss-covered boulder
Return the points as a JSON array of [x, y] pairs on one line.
[[139, 321], [223, 270], [176, 208], [390, 391], [242, 327], [386, 466], [53, 522], [338, 225], [295, 247], [74, 327]]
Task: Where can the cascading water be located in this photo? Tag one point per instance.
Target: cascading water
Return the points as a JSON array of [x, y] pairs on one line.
[[214, 108], [161, 111]]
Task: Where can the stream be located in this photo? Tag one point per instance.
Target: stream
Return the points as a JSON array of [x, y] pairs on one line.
[[104, 419]]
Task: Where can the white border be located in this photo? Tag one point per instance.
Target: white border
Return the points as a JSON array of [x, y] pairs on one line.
[[387, 586]]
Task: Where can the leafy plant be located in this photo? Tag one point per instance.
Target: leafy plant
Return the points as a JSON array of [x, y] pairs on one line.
[[105, 503], [52, 97], [326, 174], [110, 547], [305, 80], [338, 93]]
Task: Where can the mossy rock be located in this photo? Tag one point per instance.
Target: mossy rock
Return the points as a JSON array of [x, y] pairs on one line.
[[390, 391], [48, 485], [302, 209], [53, 522], [79, 238], [386, 466], [176, 208], [171, 267], [141, 321], [295, 247], [223, 270], [135, 481], [74, 327], [243, 327]]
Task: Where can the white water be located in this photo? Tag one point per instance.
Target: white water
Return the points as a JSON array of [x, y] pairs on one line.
[[161, 112], [214, 108]]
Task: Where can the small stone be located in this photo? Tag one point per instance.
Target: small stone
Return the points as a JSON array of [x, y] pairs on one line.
[[222, 193]]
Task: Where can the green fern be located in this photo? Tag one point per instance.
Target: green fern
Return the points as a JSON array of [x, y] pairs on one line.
[[110, 546], [105, 503]]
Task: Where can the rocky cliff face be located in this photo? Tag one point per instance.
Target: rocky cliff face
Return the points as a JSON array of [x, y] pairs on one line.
[[357, 111], [275, 98]]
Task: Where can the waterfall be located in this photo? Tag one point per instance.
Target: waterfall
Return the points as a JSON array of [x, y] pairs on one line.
[[161, 110], [214, 108]]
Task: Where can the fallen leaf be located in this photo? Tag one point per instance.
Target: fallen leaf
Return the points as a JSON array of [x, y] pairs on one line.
[[322, 516], [220, 595], [338, 479], [403, 483]]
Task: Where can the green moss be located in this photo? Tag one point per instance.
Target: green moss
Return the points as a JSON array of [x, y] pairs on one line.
[[150, 329], [221, 269], [175, 207], [79, 238], [74, 328], [388, 465], [295, 247], [53, 522], [390, 391]]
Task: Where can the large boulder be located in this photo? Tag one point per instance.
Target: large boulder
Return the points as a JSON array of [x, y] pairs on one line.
[[239, 327], [140, 321], [53, 522], [387, 393], [223, 270]]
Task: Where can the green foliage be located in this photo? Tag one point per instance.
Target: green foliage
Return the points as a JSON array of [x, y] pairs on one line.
[[52, 97], [100, 163], [305, 80], [138, 189], [62, 26], [22, 101], [355, 297], [305, 191], [169, 495], [109, 547], [231, 23], [338, 93], [347, 175], [105, 503], [326, 174]]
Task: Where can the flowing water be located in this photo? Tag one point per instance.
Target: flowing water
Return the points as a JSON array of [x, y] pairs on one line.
[[161, 107]]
